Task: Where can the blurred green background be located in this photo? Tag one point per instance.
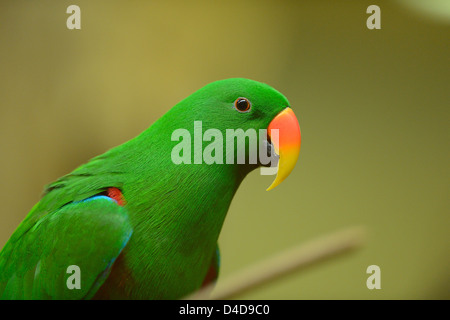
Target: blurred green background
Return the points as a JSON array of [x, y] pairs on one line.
[[373, 106]]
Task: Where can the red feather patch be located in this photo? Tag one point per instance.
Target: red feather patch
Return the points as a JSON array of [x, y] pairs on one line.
[[211, 276], [117, 195]]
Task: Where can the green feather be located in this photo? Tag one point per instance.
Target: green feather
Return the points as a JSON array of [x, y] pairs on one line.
[[173, 213]]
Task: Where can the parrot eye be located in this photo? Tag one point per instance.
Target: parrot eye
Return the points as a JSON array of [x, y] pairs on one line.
[[242, 104]]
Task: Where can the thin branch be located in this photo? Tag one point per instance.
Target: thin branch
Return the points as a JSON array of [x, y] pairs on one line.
[[296, 258]]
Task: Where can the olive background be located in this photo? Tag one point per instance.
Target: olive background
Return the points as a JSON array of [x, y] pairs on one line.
[[373, 107]]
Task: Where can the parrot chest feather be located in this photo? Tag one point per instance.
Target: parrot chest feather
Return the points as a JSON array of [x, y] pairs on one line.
[[173, 244]]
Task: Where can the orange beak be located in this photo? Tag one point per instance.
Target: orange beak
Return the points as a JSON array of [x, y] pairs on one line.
[[287, 146]]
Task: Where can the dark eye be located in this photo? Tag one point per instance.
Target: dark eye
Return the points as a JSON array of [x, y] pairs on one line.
[[242, 104]]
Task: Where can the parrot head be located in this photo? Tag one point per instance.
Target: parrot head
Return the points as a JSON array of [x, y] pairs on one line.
[[238, 108]]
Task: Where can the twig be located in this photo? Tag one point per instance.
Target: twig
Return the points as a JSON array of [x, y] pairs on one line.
[[288, 261]]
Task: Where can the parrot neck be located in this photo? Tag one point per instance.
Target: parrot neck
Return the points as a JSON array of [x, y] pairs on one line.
[[191, 202], [176, 210], [196, 196]]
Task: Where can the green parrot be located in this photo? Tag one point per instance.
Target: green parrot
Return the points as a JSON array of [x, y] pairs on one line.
[[139, 223]]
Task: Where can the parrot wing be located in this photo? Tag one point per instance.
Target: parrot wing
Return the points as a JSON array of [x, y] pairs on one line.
[[67, 253]]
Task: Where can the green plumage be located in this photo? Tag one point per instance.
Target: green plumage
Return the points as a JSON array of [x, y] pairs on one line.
[[161, 244]]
